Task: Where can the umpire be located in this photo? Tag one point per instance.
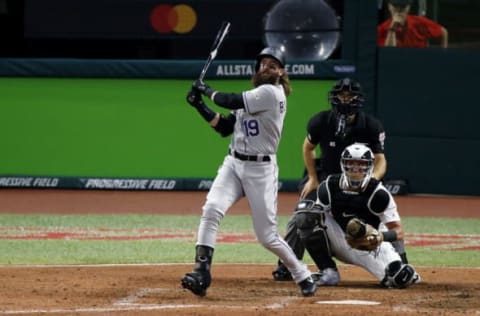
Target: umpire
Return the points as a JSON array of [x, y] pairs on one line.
[[333, 130]]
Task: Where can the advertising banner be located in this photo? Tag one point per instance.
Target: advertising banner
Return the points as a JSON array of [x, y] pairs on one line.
[[145, 19]]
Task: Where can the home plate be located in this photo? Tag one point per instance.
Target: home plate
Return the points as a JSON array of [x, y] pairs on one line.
[[349, 302]]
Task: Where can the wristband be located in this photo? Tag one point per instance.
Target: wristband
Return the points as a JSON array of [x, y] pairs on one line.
[[389, 235], [209, 92]]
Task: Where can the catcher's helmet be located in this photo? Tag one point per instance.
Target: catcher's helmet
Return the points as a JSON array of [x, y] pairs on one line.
[[272, 52], [354, 104], [357, 165]]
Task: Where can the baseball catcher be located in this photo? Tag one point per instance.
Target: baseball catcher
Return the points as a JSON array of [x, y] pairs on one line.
[[355, 220], [332, 131]]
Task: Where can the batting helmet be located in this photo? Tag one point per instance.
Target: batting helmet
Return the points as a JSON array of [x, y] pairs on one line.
[[352, 106], [357, 162], [272, 52]]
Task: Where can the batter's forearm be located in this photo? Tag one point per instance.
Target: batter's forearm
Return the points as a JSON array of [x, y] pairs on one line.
[[207, 113], [230, 101]]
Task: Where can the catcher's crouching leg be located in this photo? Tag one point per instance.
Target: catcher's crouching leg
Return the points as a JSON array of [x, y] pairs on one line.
[[399, 275], [281, 273], [312, 232]]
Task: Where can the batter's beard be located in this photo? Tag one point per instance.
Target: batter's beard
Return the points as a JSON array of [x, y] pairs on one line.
[[264, 78]]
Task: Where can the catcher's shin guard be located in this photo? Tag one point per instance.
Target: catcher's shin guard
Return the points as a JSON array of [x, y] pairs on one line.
[[312, 233], [294, 241], [318, 246], [199, 280]]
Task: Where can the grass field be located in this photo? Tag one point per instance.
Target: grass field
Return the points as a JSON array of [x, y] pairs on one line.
[[97, 239]]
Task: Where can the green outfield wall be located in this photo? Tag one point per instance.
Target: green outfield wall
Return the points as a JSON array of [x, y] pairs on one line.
[[130, 128]]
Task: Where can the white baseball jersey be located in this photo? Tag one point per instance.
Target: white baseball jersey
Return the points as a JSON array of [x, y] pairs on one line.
[[259, 126], [257, 133]]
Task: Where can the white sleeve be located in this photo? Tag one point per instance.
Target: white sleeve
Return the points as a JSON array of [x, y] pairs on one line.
[[259, 99], [390, 214]]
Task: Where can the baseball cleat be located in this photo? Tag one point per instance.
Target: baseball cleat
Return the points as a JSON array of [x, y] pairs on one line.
[[325, 277], [416, 279], [308, 287], [282, 274], [196, 282]]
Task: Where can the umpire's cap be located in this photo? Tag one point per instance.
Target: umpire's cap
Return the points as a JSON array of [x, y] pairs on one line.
[[273, 52], [400, 2]]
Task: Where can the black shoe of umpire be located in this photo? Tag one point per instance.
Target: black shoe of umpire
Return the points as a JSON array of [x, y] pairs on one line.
[[308, 287], [282, 273], [197, 282]]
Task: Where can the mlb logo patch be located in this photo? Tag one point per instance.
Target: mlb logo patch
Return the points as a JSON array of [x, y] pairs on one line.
[[332, 144]]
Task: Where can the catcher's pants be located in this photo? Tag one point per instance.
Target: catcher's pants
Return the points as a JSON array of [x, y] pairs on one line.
[[258, 182], [374, 262]]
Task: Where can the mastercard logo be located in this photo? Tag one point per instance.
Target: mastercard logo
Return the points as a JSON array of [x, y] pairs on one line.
[[168, 18]]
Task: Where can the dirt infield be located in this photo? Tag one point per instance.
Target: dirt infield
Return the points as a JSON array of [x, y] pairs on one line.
[[236, 289]]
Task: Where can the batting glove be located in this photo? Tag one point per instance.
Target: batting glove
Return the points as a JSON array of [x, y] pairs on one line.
[[202, 87]]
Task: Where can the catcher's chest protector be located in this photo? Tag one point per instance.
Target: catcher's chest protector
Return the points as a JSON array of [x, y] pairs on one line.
[[345, 206]]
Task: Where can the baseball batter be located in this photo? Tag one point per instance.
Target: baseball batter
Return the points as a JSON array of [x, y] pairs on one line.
[[250, 168], [349, 195]]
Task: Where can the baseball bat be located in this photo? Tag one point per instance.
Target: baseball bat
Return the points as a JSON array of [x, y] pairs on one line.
[[222, 33]]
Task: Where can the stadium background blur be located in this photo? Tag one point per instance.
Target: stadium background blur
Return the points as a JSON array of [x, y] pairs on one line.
[[422, 96]]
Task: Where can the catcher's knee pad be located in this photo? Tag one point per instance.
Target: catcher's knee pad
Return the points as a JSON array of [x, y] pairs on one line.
[[308, 217], [399, 275]]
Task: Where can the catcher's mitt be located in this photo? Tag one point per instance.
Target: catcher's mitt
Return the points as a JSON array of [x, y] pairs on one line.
[[362, 236]]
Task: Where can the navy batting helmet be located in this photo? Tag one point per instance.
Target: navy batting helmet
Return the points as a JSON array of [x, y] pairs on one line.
[[351, 106], [272, 52]]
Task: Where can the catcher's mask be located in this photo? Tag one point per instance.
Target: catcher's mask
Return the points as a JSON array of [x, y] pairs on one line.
[[357, 162], [346, 97], [272, 52]]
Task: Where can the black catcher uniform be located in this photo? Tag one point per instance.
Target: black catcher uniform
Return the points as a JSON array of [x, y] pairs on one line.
[[354, 194]]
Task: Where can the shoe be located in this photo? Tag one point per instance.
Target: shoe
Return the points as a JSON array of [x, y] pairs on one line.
[[282, 273], [416, 279], [308, 287], [328, 276], [197, 282], [399, 275]]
